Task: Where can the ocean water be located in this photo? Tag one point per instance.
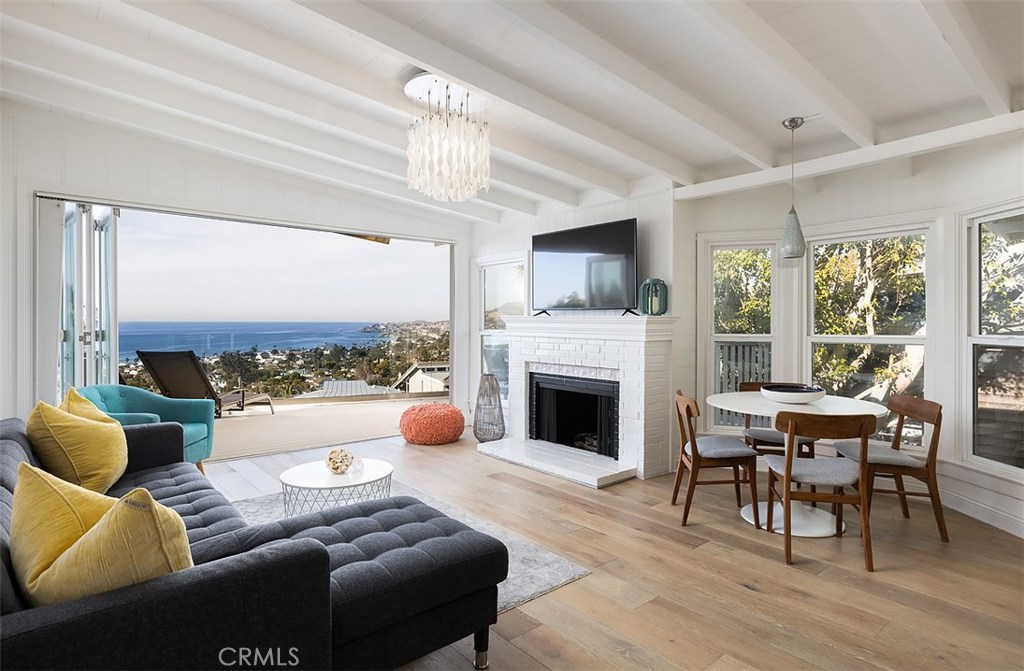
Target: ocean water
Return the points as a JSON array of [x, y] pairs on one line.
[[215, 337]]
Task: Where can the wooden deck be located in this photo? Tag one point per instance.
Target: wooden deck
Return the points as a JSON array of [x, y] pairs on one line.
[[716, 594]]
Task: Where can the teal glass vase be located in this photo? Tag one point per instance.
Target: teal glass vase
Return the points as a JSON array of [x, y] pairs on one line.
[[653, 297]]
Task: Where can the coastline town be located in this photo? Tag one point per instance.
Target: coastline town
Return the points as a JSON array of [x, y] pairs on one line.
[[405, 357]]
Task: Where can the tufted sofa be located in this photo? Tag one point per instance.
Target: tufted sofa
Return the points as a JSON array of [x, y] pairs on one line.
[[366, 586]]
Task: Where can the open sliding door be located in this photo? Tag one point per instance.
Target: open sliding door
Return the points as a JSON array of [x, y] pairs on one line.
[[86, 322]]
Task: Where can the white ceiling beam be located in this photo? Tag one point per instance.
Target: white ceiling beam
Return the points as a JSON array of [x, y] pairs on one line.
[[970, 50], [859, 158], [745, 29], [301, 62], [304, 109], [82, 100], [563, 33], [424, 52]]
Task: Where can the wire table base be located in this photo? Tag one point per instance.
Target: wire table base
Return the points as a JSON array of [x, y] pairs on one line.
[[311, 496]]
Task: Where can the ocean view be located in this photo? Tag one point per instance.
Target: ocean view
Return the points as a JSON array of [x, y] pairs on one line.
[[214, 337]]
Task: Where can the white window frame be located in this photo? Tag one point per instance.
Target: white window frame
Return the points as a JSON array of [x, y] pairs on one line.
[[885, 227], [970, 287], [480, 264], [705, 356]]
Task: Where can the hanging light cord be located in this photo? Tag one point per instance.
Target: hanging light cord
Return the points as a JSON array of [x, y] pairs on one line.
[[792, 166]]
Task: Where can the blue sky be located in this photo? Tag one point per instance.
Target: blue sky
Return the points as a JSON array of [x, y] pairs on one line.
[[178, 268]]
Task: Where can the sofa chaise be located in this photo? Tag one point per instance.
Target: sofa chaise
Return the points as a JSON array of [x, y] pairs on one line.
[[365, 586]]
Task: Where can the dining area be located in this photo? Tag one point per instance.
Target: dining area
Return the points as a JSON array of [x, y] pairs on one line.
[[821, 453]]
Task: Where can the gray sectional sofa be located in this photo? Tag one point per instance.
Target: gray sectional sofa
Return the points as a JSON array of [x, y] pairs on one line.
[[366, 586]]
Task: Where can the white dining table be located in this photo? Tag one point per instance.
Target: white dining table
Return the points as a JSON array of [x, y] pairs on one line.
[[806, 521]]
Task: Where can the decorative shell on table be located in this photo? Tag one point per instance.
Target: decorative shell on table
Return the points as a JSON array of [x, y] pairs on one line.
[[339, 461]]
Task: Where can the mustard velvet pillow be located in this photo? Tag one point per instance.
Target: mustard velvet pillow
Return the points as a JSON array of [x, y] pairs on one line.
[[87, 452], [80, 406], [68, 542]]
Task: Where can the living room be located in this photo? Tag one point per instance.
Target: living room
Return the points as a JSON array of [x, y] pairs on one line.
[[194, 109]]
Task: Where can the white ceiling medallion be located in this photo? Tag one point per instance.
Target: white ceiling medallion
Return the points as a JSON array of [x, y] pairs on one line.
[[449, 148]]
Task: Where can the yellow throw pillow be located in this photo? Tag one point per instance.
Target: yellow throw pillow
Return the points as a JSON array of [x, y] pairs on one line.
[[68, 542], [83, 451], [80, 406]]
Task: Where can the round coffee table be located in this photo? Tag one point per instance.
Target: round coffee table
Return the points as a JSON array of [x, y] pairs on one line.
[[311, 487]]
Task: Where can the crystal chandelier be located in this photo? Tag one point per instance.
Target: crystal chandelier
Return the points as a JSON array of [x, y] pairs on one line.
[[449, 151]]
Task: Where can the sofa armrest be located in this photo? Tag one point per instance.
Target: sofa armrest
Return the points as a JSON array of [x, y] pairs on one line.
[[274, 600], [133, 418], [152, 445]]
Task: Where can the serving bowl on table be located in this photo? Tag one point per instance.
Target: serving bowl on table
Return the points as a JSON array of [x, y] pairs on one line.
[[792, 393]]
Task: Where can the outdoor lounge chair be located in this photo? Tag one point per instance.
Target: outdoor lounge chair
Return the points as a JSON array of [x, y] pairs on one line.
[[181, 375]]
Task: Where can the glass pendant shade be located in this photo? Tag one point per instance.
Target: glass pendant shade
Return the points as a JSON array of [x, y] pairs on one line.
[[792, 245]]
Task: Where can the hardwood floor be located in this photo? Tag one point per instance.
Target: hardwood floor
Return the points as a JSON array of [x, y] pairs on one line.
[[716, 594]]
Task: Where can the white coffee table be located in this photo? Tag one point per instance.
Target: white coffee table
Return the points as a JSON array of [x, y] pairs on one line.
[[806, 521], [311, 487]]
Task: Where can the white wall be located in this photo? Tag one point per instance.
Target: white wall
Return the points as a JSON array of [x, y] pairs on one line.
[[938, 187], [55, 153]]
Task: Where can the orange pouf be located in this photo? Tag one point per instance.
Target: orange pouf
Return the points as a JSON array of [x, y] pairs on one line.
[[432, 424]]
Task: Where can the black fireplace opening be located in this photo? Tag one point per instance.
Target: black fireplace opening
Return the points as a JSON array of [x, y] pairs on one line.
[[576, 412]]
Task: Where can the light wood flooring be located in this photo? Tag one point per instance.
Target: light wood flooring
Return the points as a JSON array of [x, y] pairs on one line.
[[717, 593]]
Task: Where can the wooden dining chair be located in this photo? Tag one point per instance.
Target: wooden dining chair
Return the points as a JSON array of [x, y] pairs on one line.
[[891, 462], [767, 440], [711, 452], [836, 474]]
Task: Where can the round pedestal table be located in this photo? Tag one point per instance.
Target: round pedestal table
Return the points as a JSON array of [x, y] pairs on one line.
[[806, 521]]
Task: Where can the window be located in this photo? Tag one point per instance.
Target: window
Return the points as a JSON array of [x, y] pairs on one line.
[[997, 341], [869, 320], [503, 288], [742, 337]]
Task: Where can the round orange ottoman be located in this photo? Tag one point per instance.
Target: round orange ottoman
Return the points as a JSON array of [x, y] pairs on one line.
[[432, 424]]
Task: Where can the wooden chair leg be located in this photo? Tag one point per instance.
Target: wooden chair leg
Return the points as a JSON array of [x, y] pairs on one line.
[[902, 495], [837, 510], [814, 490], [199, 465], [771, 501], [752, 476], [736, 484], [940, 517], [691, 485], [787, 526], [865, 524], [679, 479]]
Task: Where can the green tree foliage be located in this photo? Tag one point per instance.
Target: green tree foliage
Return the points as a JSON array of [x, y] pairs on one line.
[[870, 287], [867, 288], [743, 290], [1002, 279]]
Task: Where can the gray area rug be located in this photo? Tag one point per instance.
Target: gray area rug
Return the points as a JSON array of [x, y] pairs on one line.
[[532, 570]]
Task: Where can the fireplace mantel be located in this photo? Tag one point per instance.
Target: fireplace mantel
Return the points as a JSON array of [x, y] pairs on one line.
[[627, 327], [635, 351]]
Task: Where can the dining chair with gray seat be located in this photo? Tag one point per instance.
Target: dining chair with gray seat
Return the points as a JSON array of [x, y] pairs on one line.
[[888, 460], [711, 452], [767, 440], [834, 474]]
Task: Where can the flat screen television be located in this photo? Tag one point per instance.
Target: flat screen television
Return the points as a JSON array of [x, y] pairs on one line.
[[588, 268]]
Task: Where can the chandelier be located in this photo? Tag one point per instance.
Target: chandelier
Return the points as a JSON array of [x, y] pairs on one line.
[[449, 150]]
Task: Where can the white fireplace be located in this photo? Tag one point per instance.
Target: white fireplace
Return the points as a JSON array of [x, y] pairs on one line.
[[635, 352]]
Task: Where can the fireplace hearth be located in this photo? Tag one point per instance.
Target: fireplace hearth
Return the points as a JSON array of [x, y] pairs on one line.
[[576, 412]]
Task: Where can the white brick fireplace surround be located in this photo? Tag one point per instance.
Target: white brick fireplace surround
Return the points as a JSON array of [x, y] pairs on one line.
[[634, 351]]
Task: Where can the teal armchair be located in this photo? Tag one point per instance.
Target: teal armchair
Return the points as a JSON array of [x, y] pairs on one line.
[[131, 405]]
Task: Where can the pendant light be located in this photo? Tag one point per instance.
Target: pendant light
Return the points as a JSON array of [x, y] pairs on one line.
[[792, 245]]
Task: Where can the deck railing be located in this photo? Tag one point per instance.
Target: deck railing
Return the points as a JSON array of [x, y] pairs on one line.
[[740, 361]]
